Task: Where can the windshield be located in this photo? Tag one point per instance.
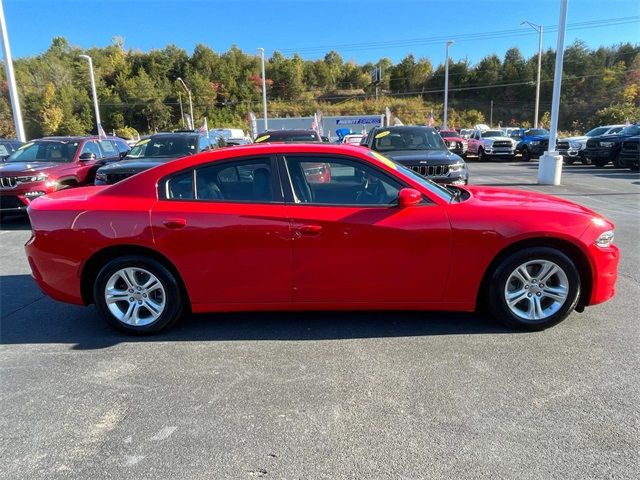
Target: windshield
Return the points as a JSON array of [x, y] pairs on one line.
[[285, 136], [631, 130], [536, 131], [164, 146], [596, 131], [45, 151], [419, 138], [492, 133]]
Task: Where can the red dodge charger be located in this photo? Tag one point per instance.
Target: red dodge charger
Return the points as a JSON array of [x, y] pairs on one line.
[[249, 228]]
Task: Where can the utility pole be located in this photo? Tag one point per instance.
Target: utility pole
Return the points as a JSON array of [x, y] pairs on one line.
[[94, 93], [193, 120], [11, 79], [446, 83], [537, 28], [264, 90], [491, 115], [550, 166]]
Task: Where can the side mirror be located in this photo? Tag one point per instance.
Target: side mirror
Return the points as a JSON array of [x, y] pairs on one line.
[[407, 197], [123, 154], [86, 156]]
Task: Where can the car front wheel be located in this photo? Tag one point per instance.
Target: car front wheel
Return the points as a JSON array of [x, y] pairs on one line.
[[137, 295], [482, 157], [526, 154], [534, 289]]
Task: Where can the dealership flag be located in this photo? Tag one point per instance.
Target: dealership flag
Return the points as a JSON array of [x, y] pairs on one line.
[[319, 121], [101, 132], [205, 127], [253, 125], [387, 115], [314, 124], [430, 119]]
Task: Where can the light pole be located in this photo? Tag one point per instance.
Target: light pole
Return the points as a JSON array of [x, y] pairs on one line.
[[446, 83], [184, 85], [264, 90], [11, 79], [550, 166], [537, 28], [94, 93]]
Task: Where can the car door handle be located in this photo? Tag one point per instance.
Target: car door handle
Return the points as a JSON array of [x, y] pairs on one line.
[[174, 222], [308, 229]]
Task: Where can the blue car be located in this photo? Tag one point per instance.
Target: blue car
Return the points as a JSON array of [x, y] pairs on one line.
[[532, 142]]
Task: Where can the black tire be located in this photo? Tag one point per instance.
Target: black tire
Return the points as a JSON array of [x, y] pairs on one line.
[[498, 304], [585, 161], [526, 154], [482, 157], [599, 162], [569, 161], [617, 162], [174, 301]]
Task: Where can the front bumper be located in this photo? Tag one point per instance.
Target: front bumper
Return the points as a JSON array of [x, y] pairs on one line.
[[630, 158], [16, 199], [500, 152], [605, 273], [600, 153]]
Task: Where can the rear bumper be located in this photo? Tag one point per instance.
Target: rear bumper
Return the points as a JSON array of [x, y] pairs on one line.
[[62, 280]]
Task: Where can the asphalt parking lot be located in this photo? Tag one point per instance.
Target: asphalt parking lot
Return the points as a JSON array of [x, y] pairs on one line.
[[326, 395]]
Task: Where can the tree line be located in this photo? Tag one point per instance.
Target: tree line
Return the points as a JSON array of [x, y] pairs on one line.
[[139, 91]]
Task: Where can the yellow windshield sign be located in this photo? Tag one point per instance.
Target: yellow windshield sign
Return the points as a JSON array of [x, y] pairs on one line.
[[384, 160], [262, 138], [383, 134], [25, 145], [142, 142]]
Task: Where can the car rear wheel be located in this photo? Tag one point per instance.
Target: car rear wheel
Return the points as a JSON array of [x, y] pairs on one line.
[[137, 295], [534, 289]]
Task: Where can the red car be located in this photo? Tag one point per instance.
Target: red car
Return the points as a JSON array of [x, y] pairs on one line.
[[43, 166], [244, 229], [454, 142]]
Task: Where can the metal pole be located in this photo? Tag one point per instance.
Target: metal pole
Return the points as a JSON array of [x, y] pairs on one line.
[[539, 29], [11, 79], [491, 115], [550, 167], [193, 120], [93, 92], [264, 90], [181, 110], [446, 83]]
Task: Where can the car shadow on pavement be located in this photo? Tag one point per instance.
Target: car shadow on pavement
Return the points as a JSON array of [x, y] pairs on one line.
[[29, 317], [15, 222]]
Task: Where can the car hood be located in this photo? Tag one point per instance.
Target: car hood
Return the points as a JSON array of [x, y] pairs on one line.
[[493, 197], [536, 137], [491, 139], [453, 138], [16, 168], [134, 165], [580, 138], [611, 138], [419, 156]]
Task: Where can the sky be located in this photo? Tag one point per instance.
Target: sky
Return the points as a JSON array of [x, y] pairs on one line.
[[360, 30]]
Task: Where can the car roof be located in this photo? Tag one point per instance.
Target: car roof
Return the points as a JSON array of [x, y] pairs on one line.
[[76, 138], [290, 130]]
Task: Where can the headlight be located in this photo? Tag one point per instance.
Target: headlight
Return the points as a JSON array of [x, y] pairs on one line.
[[40, 177], [605, 239], [606, 144], [575, 145], [535, 142], [101, 176], [456, 167], [453, 144]]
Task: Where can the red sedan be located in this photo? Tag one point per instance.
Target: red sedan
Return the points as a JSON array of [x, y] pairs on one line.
[[245, 229]]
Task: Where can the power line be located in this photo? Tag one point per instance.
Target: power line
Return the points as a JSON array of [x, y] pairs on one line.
[[459, 37]]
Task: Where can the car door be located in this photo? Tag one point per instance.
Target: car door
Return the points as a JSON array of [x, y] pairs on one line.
[[353, 244], [110, 152], [86, 168], [225, 227]]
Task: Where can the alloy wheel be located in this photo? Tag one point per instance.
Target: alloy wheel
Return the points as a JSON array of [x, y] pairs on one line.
[[135, 296], [536, 290]]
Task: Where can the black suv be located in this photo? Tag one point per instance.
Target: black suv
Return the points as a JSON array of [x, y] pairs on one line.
[[295, 136], [606, 148], [155, 150], [422, 150], [630, 153]]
